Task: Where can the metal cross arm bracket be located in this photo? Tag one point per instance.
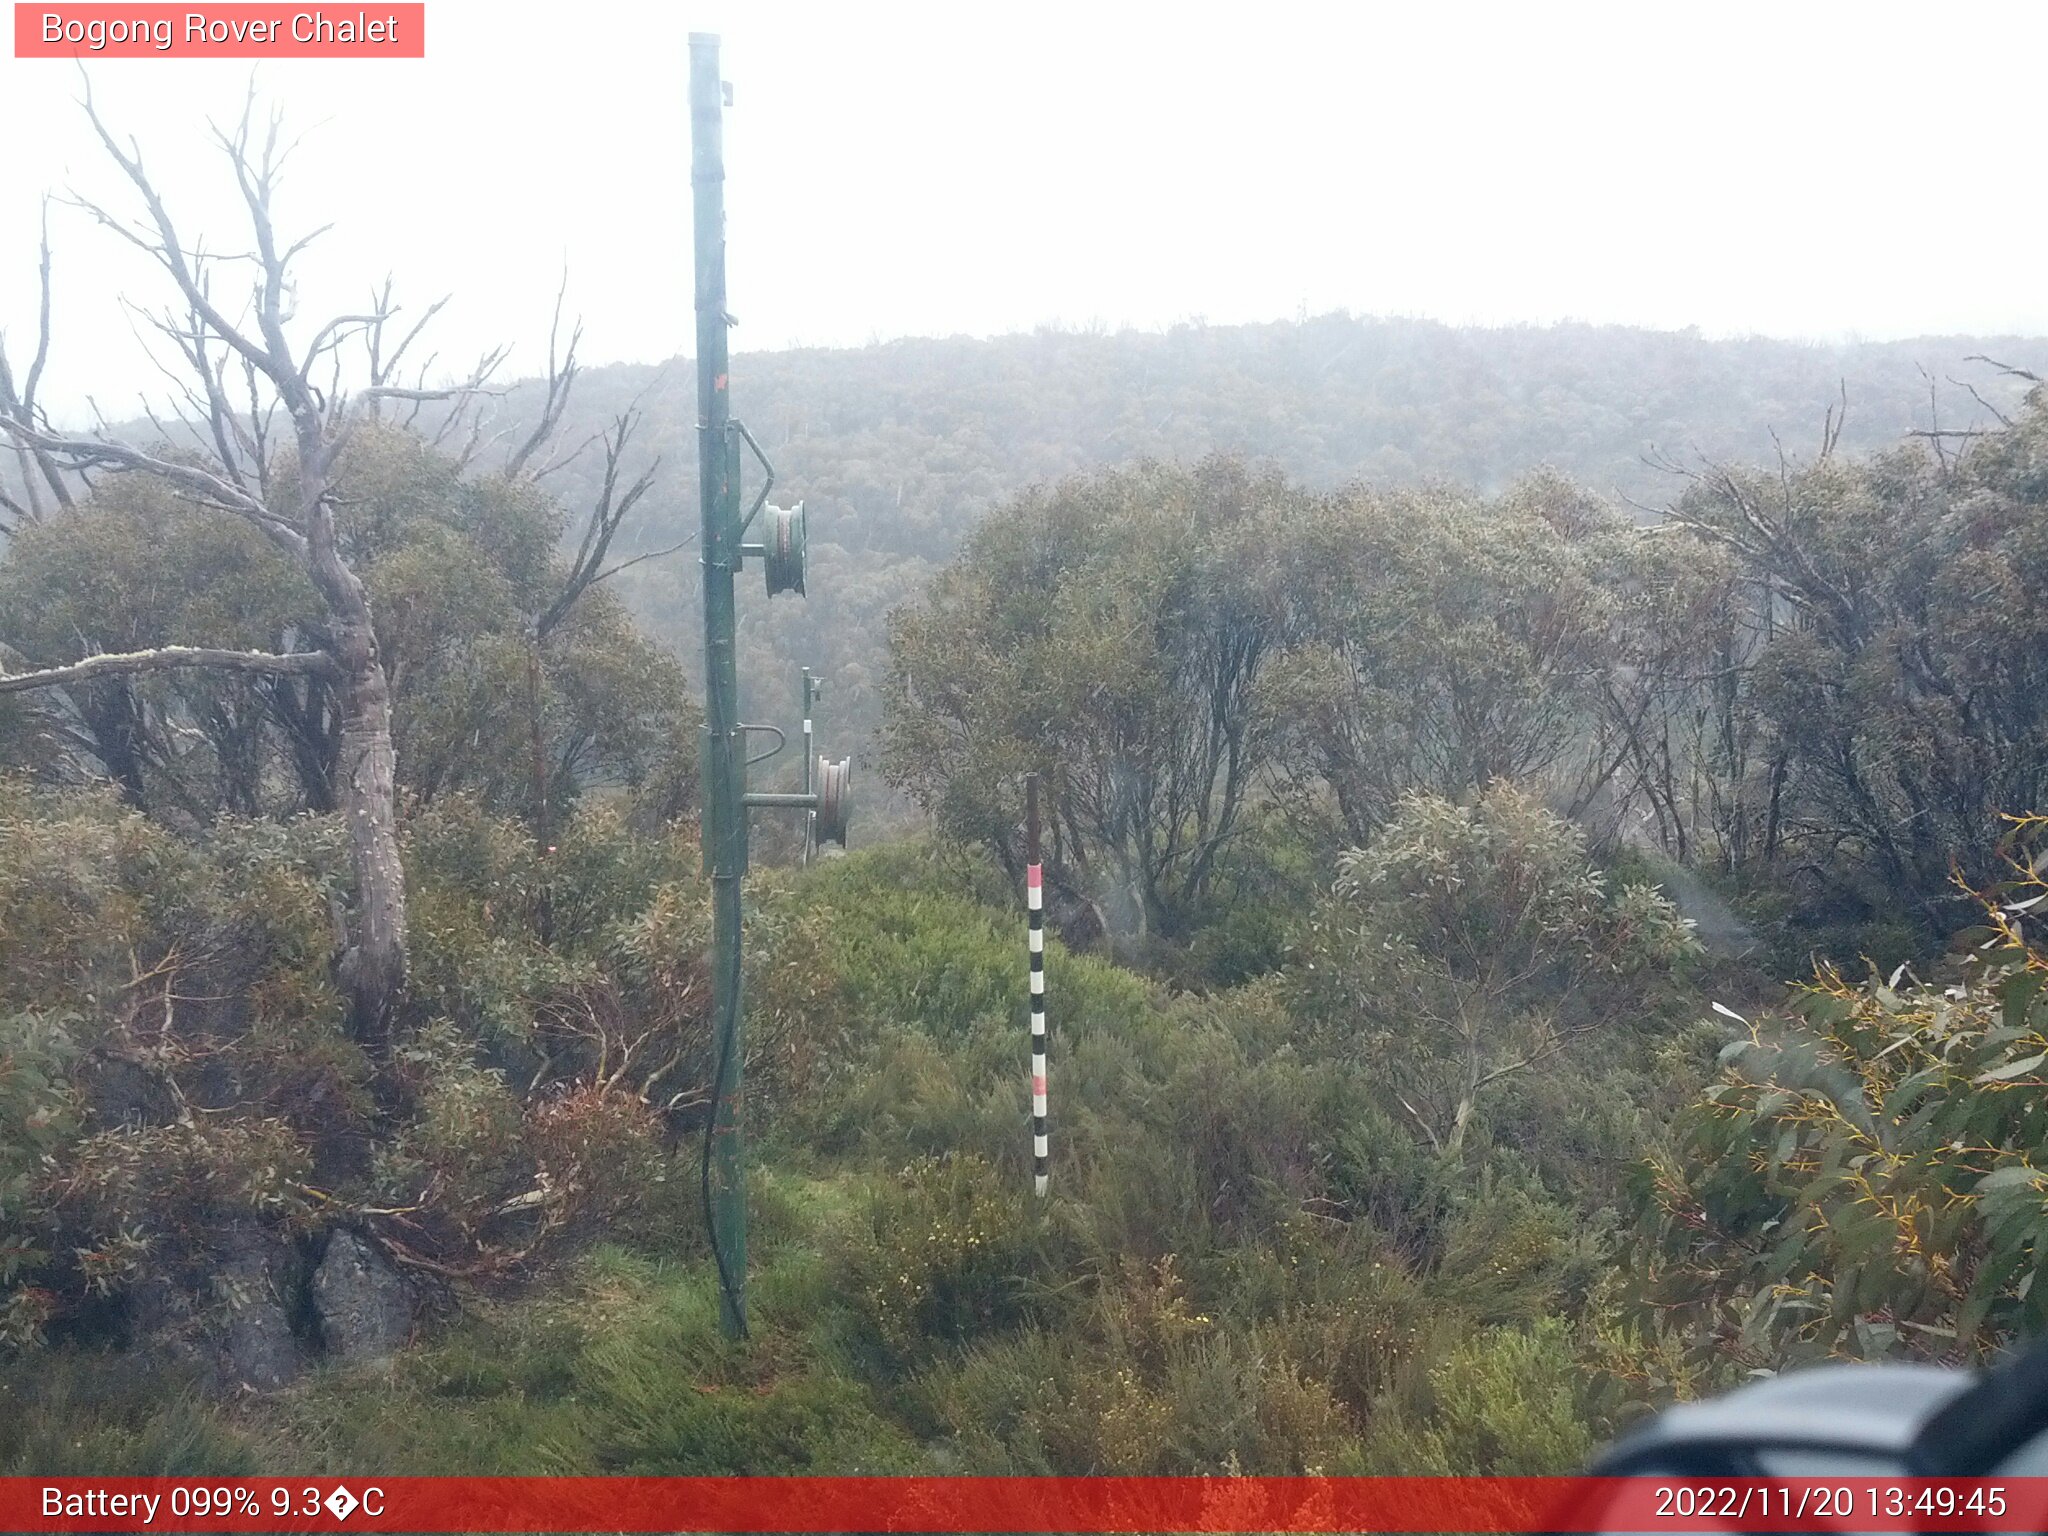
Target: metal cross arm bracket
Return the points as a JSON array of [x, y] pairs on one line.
[[761, 757], [768, 484]]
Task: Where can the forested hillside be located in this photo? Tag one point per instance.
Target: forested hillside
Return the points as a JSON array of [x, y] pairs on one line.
[[898, 449]]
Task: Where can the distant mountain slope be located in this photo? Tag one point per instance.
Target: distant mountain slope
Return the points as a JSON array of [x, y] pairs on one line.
[[898, 448], [905, 436]]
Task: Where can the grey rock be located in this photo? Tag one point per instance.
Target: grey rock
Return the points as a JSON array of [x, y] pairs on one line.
[[364, 1305], [257, 1348]]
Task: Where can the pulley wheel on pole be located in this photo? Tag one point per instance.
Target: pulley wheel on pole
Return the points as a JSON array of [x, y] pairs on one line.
[[783, 549], [835, 799]]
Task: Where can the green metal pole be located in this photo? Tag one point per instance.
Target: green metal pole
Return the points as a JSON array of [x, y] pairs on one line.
[[724, 771], [809, 816]]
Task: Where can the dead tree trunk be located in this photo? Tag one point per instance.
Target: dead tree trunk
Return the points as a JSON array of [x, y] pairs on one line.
[[294, 510], [372, 968]]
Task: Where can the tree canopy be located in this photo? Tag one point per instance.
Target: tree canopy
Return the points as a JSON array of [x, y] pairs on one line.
[[1111, 634], [457, 569]]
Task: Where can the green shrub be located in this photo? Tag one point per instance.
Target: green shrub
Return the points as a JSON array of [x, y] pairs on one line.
[[602, 874], [1864, 1179], [38, 1123], [1238, 1403], [1468, 945], [472, 892], [1142, 1387], [1511, 1256], [908, 1101], [459, 1161], [943, 1255], [1366, 1327], [1500, 1403], [600, 1152], [662, 1393], [1247, 941], [169, 1187], [82, 880]]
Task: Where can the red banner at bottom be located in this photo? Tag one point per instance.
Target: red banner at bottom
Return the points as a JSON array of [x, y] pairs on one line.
[[1021, 1504]]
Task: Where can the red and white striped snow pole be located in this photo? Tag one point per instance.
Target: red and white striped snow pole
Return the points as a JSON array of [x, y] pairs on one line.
[[1034, 903]]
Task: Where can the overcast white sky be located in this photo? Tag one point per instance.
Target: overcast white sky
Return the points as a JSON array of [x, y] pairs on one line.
[[1816, 170]]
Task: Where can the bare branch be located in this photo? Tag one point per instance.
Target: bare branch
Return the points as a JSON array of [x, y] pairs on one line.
[[10, 406], [447, 392], [653, 554], [169, 658], [257, 182], [1934, 434], [1837, 418], [303, 241], [190, 345], [561, 379], [382, 367], [475, 385], [1977, 395], [2004, 368], [558, 462], [35, 368], [169, 252], [21, 404], [606, 517], [261, 413], [202, 485], [468, 453], [336, 331], [231, 440]]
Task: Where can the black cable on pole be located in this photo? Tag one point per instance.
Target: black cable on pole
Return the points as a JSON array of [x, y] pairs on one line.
[[727, 1285]]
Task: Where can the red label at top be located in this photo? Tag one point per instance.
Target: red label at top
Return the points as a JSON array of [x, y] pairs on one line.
[[236, 31]]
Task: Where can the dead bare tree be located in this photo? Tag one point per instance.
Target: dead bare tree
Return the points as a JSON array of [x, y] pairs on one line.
[[563, 371], [232, 467], [616, 497], [615, 501], [40, 474]]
